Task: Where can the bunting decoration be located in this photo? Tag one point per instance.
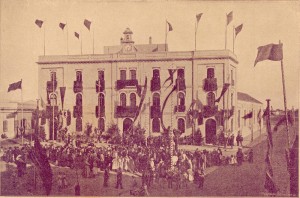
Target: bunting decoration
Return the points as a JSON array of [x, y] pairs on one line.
[[62, 25], [225, 87], [15, 86], [269, 52], [39, 23], [171, 77], [164, 105], [87, 24]]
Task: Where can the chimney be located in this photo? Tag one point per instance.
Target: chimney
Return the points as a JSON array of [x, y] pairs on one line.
[[150, 40]]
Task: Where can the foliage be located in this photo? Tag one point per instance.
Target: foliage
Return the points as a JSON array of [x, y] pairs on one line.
[[198, 137], [88, 129], [42, 133], [113, 134]]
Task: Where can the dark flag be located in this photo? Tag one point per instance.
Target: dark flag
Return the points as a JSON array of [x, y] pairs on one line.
[[283, 119], [14, 86], [259, 117], [229, 17], [62, 95], [163, 107], [225, 87], [139, 90], [39, 23], [249, 115], [76, 34], [268, 126], [238, 29], [68, 118], [40, 160], [87, 24], [141, 101], [170, 28], [198, 17], [171, 75], [269, 52], [62, 25], [155, 49]]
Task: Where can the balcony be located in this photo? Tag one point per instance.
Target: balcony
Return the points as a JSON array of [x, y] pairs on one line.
[[180, 82], [77, 87], [155, 112], [179, 108], [51, 86], [210, 84], [155, 84], [101, 111], [49, 111], [100, 85], [209, 111], [77, 111], [126, 111], [121, 84]]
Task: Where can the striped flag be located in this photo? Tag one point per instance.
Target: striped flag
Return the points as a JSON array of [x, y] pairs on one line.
[[62, 25], [39, 23], [15, 86], [229, 17]]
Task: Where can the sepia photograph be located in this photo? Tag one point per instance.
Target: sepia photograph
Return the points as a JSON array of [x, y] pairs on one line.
[[166, 98]]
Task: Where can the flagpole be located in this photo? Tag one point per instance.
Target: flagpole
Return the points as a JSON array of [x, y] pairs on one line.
[[233, 38], [285, 102], [53, 111], [226, 33], [93, 41], [252, 120], [196, 26], [166, 35], [81, 41], [22, 121], [67, 38], [193, 125], [44, 40]]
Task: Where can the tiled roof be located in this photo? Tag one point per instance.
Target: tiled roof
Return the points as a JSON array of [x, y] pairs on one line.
[[247, 98]]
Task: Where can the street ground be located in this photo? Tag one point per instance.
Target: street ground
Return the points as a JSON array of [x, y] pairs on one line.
[[245, 180]]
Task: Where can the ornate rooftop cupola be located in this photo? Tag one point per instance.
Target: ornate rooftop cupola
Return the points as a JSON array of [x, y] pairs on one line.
[[127, 42]]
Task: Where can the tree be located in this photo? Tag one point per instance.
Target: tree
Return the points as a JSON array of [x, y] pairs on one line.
[[113, 134]]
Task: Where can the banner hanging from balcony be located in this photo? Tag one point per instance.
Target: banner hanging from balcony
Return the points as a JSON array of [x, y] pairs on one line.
[[141, 102], [62, 95], [163, 107], [225, 87]]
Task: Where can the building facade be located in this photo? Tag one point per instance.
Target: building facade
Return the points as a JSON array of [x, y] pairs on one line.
[[102, 89]]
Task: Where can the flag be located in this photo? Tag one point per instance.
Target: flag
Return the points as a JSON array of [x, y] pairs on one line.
[[141, 102], [170, 28], [198, 17], [163, 107], [259, 116], [225, 87], [76, 34], [283, 119], [155, 49], [171, 75], [229, 17], [62, 25], [249, 115], [62, 95], [87, 24], [238, 29], [139, 90], [39, 23], [268, 126], [269, 52], [40, 161], [14, 86]]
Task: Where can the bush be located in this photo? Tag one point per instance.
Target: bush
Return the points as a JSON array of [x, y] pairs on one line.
[[113, 134]]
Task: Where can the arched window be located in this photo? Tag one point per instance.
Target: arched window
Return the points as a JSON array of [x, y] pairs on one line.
[[101, 124], [181, 99], [53, 100], [123, 74], [156, 125], [132, 100], [101, 100], [210, 99], [101, 75], [78, 76], [181, 125], [156, 99], [78, 124], [78, 100], [210, 72], [155, 73], [123, 99]]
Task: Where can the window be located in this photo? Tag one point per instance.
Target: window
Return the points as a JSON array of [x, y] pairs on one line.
[[5, 126], [210, 99], [132, 100], [101, 100], [155, 125], [79, 76], [123, 75], [181, 99], [132, 74], [156, 99], [101, 124], [239, 118], [78, 124], [180, 73], [53, 100], [123, 99], [101, 75], [53, 76], [155, 73], [78, 100], [181, 125], [210, 72]]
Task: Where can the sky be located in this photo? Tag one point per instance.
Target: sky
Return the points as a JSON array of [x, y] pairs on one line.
[[264, 22]]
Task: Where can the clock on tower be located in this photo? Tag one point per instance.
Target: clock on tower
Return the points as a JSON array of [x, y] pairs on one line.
[[127, 42]]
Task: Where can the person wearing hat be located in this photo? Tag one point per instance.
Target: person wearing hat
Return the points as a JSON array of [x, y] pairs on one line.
[[119, 178], [106, 177], [239, 156], [201, 178]]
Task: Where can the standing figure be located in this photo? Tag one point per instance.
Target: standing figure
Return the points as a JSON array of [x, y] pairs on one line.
[[77, 189], [250, 156], [239, 156], [201, 179], [119, 178], [106, 177]]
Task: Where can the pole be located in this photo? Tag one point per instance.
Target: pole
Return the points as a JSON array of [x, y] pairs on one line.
[[67, 38], [22, 120], [193, 124], [285, 105], [226, 33], [93, 41], [196, 26], [81, 42], [233, 38], [53, 110], [252, 122], [44, 41], [166, 35]]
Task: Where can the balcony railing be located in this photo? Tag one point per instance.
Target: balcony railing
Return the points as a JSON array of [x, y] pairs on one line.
[[77, 87], [49, 111], [179, 108], [126, 111], [155, 112], [77, 111], [100, 86], [209, 111], [51, 86], [121, 84], [210, 84], [180, 82], [155, 84], [101, 111]]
